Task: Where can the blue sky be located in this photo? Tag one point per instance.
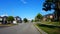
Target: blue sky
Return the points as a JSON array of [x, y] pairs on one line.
[[23, 8]]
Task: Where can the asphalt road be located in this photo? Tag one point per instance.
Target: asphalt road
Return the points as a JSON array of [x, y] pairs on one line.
[[22, 28]]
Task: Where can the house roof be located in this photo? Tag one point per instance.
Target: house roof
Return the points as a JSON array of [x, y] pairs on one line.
[[3, 16], [48, 15], [0, 17], [17, 17]]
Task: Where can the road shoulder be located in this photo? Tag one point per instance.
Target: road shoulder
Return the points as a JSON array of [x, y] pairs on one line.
[[41, 31]]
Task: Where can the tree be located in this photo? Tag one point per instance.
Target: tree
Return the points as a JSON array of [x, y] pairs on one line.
[[38, 17], [10, 19], [52, 5], [25, 20]]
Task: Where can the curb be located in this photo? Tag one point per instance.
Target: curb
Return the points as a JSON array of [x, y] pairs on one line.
[[41, 31]]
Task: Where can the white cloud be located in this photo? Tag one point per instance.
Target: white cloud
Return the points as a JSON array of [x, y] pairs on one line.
[[23, 1]]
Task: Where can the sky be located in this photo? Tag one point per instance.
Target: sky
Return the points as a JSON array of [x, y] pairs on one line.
[[22, 8]]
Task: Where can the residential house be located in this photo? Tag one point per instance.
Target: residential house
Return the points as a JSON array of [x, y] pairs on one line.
[[18, 19], [48, 16], [3, 19]]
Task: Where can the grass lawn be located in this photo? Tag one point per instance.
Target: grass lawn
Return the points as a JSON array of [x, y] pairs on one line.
[[53, 23], [49, 30]]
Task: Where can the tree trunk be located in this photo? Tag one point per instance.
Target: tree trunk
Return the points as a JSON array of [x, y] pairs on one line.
[[57, 11], [57, 15]]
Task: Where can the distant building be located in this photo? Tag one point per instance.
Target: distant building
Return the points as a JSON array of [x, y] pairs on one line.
[[18, 19], [3, 19], [48, 16]]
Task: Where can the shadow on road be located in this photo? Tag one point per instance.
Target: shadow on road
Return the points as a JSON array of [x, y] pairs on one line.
[[4, 26]]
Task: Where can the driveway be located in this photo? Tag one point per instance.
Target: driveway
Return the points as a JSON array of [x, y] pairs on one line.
[[21, 28]]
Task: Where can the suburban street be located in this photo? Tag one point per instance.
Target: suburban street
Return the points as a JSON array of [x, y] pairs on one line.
[[21, 28]]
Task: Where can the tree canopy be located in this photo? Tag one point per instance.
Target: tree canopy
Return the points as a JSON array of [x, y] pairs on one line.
[[25, 20], [52, 5], [38, 17], [10, 18]]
